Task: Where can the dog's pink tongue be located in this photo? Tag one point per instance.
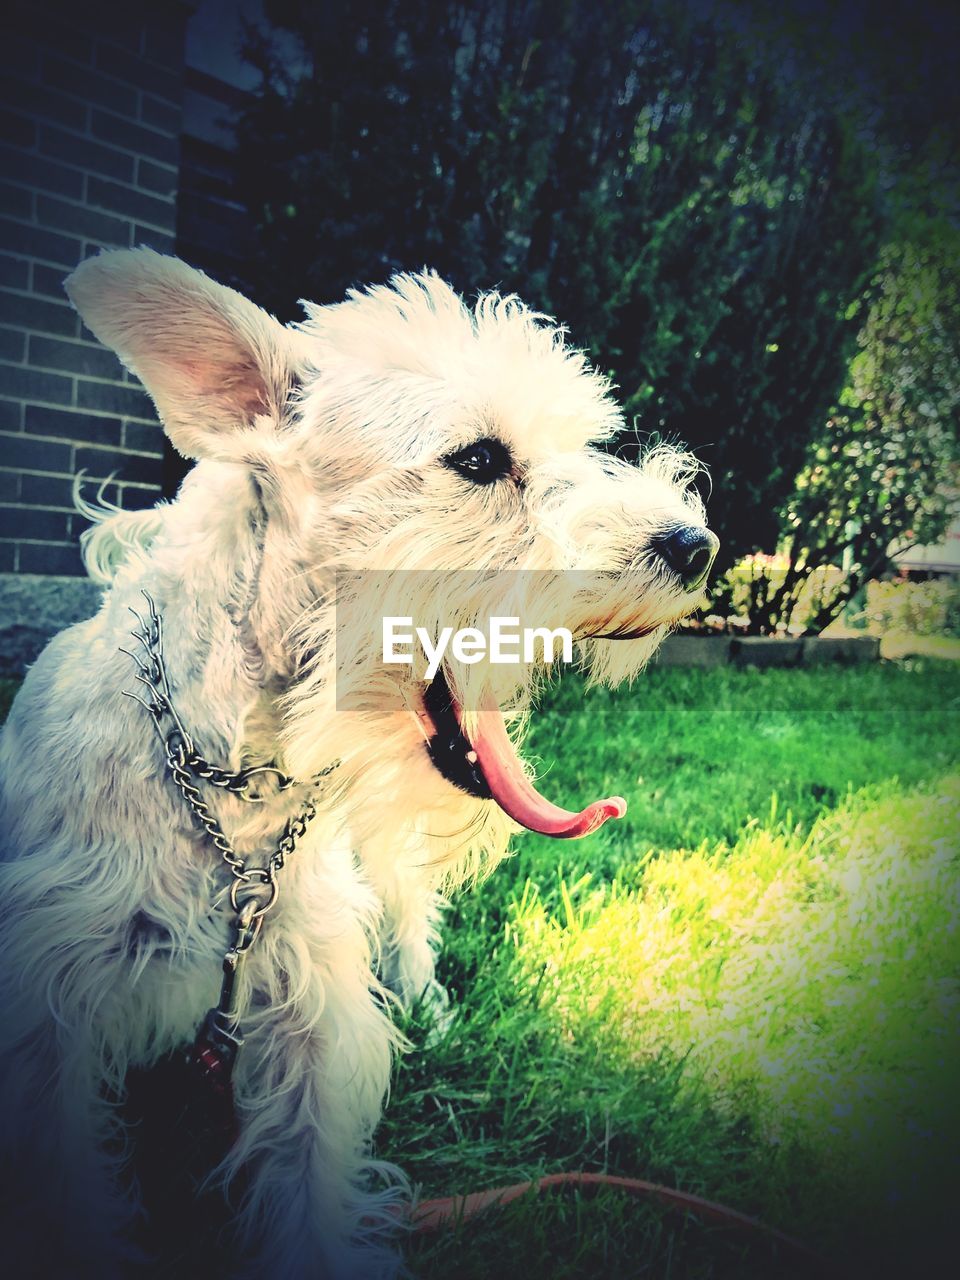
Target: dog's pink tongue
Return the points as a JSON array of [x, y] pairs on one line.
[[517, 796]]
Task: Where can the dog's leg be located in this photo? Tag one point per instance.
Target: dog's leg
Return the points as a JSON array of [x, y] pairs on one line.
[[64, 1213], [304, 1214], [410, 917], [411, 926], [310, 1085]]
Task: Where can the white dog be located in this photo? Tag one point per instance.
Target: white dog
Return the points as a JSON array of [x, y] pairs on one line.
[[400, 430]]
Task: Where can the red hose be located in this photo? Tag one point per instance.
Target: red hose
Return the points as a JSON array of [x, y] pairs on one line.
[[432, 1215]]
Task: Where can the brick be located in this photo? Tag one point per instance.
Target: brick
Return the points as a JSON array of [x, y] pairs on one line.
[[77, 524], [116, 62], [143, 438], [12, 345], [49, 281], [57, 491], [34, 455], [17, 129], [126, 27], [84, 221], [159, 178], [53, 31], [107, 397], [84, 428], [89, 85], [37, 242], [163, 40], [14, 272], [159, 114], [46, 491], [32, 170], [10, 486], [73, 357], [7, 557], [22, 311], [19, 55], [126, 30], [33, 522], [32, 384], [39, 102], [50, 557], [103, 463], [137, 497], [210, 168], [131, 203], [16, 202], [162, 241], [92, 247], [11, 416], [86, 154], [51, 491], [122, 133]]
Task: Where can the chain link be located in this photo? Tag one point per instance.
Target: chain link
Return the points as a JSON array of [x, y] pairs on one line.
[[250, 884], [236, 783]]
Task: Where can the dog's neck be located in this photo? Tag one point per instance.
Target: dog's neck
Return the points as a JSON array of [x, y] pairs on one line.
[[222, 641]]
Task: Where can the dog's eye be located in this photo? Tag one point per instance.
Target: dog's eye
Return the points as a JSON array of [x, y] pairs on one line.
[[483, 462]]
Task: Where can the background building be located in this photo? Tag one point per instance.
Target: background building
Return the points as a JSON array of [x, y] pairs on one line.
[[113, 136]]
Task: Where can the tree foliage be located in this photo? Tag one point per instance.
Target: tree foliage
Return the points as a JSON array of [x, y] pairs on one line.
[[884, 472], [639, 171]]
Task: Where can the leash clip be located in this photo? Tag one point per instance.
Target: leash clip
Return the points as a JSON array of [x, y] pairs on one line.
[[221, 1028]]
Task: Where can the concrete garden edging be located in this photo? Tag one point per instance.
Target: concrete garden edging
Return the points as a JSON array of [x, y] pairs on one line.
[[33, 608], [766, 651]]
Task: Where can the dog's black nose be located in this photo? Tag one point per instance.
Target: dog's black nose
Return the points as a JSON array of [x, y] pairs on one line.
[[689, 552]]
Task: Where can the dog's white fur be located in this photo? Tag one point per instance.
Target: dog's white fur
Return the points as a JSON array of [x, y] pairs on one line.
[[321, 447]]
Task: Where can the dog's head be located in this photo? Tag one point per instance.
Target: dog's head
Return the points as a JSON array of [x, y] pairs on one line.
[[404, 431]]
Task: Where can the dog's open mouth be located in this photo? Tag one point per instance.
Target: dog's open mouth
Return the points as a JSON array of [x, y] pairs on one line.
[[487, 766]]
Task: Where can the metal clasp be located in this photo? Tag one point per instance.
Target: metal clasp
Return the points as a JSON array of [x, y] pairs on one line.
[[222, 1025], [247, 926]]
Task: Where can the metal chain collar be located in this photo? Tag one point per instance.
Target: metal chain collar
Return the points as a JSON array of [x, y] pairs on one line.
[[254, 890]]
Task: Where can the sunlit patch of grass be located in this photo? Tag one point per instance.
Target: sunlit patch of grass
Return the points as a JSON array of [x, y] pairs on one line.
[[810, 982], [546, 1069]]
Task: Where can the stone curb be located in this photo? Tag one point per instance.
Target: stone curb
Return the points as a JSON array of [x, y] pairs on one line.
[[33, 608], [765, 651]]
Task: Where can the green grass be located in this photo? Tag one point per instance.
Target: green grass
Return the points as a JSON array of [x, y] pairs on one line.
[[747, 989], [8, 689]]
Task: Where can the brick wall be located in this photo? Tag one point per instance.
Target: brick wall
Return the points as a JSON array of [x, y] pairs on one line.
[[214, 229], [90, 112]]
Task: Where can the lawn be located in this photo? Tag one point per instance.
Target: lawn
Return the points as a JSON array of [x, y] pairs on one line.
[[747, 989]]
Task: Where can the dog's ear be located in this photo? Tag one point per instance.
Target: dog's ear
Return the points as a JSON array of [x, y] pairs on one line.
[[211, 360]]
